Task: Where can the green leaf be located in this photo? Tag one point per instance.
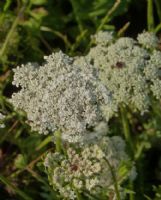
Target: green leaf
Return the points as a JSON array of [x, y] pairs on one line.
[[38, 2], [20, 161], [7, 5]]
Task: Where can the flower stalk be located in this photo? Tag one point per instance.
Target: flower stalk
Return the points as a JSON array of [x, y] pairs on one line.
[[126, 129], [128, 138], [114, 179], [58, 145]]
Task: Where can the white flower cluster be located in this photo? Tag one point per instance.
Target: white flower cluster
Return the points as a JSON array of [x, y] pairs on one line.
[[88, 169], [129, 68], [2, 117], [153, 73], [61, 95], [74, 96], [148, 40], [77, 96], [104, 38]]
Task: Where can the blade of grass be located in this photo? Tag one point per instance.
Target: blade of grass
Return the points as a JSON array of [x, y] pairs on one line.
[[40, 179], [75, 10], [30, 165], [158, 28], [8, 132], [9, 36], [104, 20], [13, 187], [78, 40], [158, 7], [46, 44], [12, 29], [123, 29], [58, 34], [148, 198], [46, 141], [107, 16]]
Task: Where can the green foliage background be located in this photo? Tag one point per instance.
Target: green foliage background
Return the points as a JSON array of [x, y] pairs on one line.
[[30, 29]]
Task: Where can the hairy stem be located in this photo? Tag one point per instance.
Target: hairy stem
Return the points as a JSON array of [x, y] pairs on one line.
[[114, 179]]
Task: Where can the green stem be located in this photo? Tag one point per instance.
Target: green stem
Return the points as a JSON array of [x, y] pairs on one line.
[[78, 195], [77, 42], [126, 129], [114, 179], [150, 16], [131, 195], [58, 141], [91, 196]]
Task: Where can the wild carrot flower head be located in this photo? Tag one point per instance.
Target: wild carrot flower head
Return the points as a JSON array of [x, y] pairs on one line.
[[88, 169], [60, 95], [125, 66]]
